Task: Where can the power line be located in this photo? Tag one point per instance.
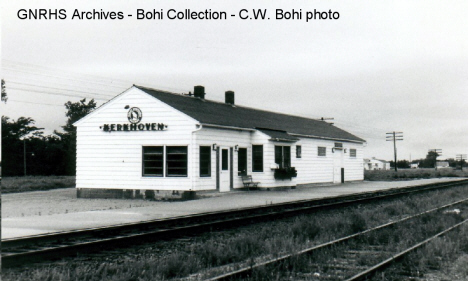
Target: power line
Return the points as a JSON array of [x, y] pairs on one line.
[[53, 88], [35, 68], [25, 66], [55, 83], [65, 78], [57, 94], [35, 102]]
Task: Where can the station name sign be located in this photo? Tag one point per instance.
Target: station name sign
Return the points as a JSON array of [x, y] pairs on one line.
[[134, 115], [134, 127]]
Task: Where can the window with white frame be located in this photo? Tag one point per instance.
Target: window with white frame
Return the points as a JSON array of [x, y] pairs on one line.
[[298, 151], [205, 161], [171, 159], [242, 161], [153, 161], [176, 161], [283, 156], [322, 151], [257, 158]]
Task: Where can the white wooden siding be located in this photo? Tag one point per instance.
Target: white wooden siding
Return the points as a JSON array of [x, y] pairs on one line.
[[353, 165], [311, 168], [114, 159]]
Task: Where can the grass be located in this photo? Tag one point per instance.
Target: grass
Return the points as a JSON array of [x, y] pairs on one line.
[[445, 258], [409, 174], [33, 183], [214, 251]]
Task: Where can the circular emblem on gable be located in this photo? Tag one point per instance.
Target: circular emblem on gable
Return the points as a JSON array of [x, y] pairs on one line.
[[134, 115]]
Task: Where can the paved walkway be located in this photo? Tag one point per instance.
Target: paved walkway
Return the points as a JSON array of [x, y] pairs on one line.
[[17, 226]]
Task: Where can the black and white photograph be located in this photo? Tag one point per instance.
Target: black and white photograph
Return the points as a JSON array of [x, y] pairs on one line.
[[234, 140]]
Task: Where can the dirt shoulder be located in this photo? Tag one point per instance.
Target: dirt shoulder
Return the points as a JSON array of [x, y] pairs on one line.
[[60, 201]]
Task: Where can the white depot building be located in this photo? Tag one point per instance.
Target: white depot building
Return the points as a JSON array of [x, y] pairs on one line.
[[151, 140]]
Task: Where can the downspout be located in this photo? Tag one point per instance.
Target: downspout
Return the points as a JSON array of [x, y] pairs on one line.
[[193, 142]]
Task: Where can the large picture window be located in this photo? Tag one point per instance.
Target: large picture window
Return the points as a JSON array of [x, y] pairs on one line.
[[205, 161], [153, 161], [257, 158], [242, 161], [176, 161], [283, 156]]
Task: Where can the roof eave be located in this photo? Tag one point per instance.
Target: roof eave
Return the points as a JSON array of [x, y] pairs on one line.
[[327, 138]]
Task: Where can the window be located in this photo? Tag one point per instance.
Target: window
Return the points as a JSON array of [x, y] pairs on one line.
[[298, 151], [257, 158], [176, 161], [153, 161], [205, 161], [339, 144], [322, 151], [242, 161], [352, 152], [224, 160], [283, 156]]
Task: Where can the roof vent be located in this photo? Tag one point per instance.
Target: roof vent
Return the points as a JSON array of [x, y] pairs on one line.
[[229, 97], [199, 92]]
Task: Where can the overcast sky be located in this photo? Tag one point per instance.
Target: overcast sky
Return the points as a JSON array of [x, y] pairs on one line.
[[383, 66]]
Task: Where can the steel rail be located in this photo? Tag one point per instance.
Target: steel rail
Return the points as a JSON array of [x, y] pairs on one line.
[[245, 271], [158, 223], [382, 265], [117, 235]]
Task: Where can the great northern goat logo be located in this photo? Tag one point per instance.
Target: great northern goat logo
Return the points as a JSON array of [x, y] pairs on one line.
[[134, 115]]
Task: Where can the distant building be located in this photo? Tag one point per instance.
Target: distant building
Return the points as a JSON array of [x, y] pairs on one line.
[[376, 164], [442, 164], [414, 165]]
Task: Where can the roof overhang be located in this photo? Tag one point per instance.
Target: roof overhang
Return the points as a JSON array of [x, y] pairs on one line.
[[326, 138]]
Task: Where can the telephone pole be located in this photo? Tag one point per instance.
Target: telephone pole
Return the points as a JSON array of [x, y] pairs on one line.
[[438, 152], [395, 136], [461, 158]]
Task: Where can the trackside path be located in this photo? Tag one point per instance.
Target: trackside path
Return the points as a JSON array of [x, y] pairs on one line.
[[42, 212]]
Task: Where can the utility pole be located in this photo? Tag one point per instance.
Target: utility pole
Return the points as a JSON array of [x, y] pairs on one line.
[[438, 152], [461, 158], [395, 136], [24, 156]]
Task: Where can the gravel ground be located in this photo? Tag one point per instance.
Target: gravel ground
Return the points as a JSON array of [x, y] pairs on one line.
[[452, 271], [60, 201], [63, 200]]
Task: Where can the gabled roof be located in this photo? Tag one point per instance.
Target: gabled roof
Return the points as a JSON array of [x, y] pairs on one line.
[[222, 114]]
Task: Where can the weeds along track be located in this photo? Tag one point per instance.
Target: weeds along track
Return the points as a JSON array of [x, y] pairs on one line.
[[57, 245], [361, 255]]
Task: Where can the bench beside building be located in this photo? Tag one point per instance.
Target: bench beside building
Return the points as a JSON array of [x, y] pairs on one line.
[[150, 140]]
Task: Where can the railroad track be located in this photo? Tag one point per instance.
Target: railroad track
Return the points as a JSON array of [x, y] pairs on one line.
[[355, 257], [35, 248]]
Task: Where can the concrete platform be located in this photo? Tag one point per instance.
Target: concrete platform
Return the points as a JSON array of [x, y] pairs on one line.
[[42, 220]]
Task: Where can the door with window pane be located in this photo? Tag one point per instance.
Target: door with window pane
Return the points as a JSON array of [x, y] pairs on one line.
[[337, 165], [225, 171]]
